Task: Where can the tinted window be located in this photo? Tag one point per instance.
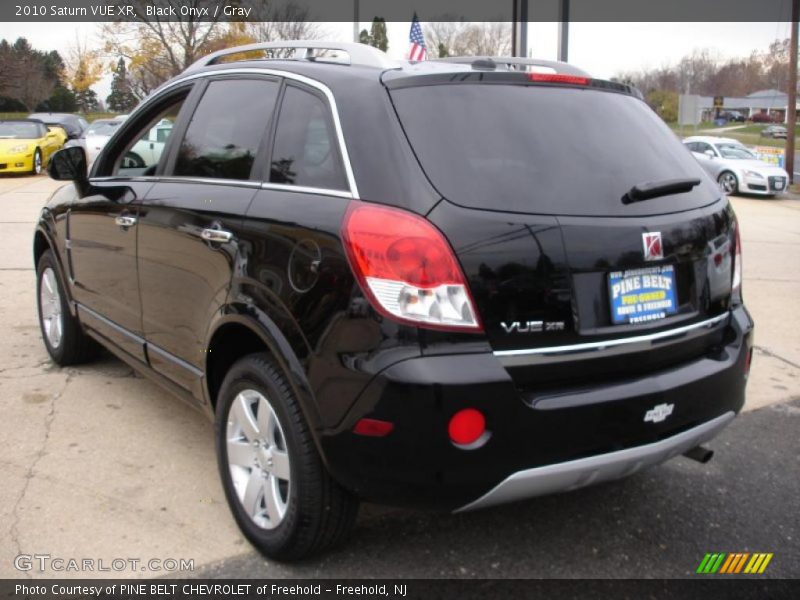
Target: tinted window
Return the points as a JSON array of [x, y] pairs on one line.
[[142, 155], [544, 149], [226, 129], [306, 151]]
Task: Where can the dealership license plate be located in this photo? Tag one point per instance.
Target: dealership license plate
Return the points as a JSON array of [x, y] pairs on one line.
[[642, 295]]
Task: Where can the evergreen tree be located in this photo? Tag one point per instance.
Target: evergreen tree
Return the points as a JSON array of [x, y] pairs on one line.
[[378, 36], [121, 99]]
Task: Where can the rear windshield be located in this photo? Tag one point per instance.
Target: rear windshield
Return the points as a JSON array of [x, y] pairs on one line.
[[547, 150]]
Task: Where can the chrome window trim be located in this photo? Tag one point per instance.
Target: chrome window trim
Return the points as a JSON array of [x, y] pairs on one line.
[[281, 187], [337, 124], [596, 346]]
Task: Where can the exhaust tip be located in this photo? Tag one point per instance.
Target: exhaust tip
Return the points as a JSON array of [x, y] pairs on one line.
[[700, 454]]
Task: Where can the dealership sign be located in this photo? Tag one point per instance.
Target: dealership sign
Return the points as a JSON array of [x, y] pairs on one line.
[[770, 154]]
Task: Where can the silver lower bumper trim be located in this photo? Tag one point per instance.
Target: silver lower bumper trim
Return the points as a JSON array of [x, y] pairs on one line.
[[566, 476]]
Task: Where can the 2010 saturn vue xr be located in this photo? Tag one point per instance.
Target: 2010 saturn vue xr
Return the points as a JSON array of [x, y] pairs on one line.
[[448, 284]]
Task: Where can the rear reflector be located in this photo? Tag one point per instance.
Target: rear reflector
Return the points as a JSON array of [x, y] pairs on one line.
[[373, 427], [466, 427], [558, 78], [736, 284], [406, 268]]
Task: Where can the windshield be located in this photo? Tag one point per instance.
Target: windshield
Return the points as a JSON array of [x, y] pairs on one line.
[[103, 128], [546, 150], [735, 151], [20, 130]]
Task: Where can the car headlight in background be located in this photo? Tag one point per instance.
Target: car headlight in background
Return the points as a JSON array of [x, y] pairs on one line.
[[18, 148], [753, 174]]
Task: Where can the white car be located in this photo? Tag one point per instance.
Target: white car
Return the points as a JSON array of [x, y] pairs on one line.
[[736, 168], [147, 152], [97, 136]]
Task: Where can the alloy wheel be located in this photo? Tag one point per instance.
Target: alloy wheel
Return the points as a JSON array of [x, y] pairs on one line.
[[50, 302], [258, 458], [727, 181]]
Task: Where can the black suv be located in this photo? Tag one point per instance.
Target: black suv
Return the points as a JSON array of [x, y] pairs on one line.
[[444, 284]]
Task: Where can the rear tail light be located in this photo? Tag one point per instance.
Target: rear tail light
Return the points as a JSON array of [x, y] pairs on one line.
[[407, 268], [558, 78], [736, 285]]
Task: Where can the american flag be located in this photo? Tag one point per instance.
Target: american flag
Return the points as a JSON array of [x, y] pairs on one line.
[[417, 50]]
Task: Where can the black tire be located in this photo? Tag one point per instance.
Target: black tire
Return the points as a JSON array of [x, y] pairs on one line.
[[74, 346], [38, 166], [728, 182], [319, 513]]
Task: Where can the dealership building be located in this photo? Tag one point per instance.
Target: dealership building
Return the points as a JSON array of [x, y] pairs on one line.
[[771, 102]]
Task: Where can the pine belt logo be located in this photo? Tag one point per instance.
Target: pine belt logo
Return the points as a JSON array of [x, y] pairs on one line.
[[734, 563]]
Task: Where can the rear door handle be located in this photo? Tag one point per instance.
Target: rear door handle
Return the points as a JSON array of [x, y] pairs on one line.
[[216, 235], [125, 221]]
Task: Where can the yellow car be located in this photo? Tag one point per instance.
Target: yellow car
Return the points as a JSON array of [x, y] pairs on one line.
[[26, 145]]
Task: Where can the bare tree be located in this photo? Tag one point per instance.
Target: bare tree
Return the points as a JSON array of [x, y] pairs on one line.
[[462, 38], [286, 21]]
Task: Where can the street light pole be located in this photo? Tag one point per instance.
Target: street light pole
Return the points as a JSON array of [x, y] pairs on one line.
[[791, 109], [563, 30]]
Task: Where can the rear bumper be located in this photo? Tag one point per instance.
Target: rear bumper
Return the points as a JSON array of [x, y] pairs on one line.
[[541, 440], [571, 475]]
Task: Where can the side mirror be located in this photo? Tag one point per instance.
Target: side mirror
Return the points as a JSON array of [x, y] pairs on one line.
[[69, 164], [709, 153]]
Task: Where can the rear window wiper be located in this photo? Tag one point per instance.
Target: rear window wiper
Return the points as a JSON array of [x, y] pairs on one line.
[[656, 189]]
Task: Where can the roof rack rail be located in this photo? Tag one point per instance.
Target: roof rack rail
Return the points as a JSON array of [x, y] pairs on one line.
[[483, 62], [358, 54]]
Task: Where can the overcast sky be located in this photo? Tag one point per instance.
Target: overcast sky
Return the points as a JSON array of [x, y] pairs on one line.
[[602, 49]]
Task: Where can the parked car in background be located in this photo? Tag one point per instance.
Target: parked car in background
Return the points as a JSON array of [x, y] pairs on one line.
[[95, 137], [147, 151], [504, 294], [764, 118], [732, 116], [735, 168], [74, 125], [26, 145], [774, 131]]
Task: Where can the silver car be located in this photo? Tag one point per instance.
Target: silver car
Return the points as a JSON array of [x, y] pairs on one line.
[[736, 168]]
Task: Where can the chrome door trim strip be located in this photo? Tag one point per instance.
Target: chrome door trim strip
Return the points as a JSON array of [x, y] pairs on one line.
[[175, 360], [110, 323], [595, 346]]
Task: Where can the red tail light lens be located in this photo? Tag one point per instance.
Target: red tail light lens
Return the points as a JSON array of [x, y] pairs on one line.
[[736, 284], [558, 78], [407, 268]]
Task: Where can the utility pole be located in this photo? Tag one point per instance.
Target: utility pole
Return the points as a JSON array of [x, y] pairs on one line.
[[355, 21], [791, 110], [519, 30], [563, 30]]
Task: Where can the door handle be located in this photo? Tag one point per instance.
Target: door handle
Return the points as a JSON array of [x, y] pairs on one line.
[[125, 221], [216, 235]]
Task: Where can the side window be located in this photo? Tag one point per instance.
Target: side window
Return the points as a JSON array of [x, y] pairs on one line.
[[306, 152], [227, 129], [142, 155]]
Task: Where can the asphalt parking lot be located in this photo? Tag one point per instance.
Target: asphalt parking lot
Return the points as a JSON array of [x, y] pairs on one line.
[[99, 463]]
